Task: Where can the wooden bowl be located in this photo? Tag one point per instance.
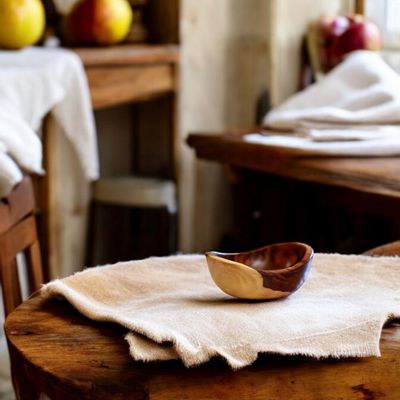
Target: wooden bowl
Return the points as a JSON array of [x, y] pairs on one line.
[[269, 272]]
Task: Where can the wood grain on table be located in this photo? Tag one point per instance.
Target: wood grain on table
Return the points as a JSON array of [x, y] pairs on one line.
[[67, 356]]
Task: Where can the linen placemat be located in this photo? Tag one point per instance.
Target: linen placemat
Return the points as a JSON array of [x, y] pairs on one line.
[[174, 310]]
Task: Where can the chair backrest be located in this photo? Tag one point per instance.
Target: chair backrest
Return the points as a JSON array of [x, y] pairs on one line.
[[18, 233], [389, 249]]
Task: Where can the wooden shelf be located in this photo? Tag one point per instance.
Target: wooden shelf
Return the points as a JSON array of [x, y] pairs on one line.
[[128, 55], [129, 73]]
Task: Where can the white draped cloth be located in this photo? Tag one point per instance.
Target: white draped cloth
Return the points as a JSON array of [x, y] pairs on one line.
[[34, 82], [353, 110]]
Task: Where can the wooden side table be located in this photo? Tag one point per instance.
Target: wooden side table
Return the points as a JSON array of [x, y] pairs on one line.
[[270, 182]]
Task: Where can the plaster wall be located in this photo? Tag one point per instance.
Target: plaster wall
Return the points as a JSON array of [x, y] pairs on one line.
[[224, 68]]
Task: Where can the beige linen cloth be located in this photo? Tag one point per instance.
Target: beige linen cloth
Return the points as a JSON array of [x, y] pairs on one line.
[[173, 309]]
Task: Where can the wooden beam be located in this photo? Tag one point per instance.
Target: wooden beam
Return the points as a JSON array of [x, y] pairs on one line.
[[48, 201], [359, 7]]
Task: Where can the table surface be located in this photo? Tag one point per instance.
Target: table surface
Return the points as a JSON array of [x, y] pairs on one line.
[[377, 175], [71, 357]]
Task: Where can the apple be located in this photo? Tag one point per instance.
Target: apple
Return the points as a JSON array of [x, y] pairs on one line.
[[333, 26], [22, 23], [360, 34], [98, 22], [329, 28], [339, 35]]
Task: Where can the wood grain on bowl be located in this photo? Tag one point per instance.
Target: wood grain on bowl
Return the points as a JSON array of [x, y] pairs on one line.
[[269, 272]]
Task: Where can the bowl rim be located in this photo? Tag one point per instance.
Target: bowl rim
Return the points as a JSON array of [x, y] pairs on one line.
[[307, 257]]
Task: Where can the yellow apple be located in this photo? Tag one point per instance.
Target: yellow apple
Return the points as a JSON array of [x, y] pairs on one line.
[[22, 23], [103, 22]]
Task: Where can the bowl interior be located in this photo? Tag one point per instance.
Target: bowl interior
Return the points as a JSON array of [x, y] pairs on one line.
[[273, 257]]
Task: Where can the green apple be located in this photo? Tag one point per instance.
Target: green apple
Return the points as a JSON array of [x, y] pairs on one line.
[[22, 23], [102, 22]]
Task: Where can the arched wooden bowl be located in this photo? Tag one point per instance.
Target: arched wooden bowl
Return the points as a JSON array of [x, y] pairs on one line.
[[269, 272]]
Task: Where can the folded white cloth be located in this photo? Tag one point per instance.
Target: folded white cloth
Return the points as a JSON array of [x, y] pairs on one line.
[[33, 82], [319, 131], [329, 144], [358, 100], [363, 89], [174, 310]]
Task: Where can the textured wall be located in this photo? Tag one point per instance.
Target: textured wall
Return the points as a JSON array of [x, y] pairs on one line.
[[224, 47]]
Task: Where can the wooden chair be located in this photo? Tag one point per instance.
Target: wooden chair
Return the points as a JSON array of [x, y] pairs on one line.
[[18, 234]]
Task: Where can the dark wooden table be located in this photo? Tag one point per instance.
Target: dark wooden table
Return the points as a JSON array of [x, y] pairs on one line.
[[59, 352], [359, 184], [375, 175]]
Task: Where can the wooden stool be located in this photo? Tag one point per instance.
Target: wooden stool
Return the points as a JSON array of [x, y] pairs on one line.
[[140, 211]]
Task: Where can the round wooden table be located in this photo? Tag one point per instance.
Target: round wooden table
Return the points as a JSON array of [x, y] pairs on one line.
[[57, 351]]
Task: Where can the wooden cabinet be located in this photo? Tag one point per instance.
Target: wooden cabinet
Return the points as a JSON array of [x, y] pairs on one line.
[[130, 75], [135, 216]]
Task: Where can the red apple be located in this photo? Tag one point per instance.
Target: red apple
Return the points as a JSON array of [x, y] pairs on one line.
[[359, 35], [329, 29], [342, 34], [102, 22], [333, 26]]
